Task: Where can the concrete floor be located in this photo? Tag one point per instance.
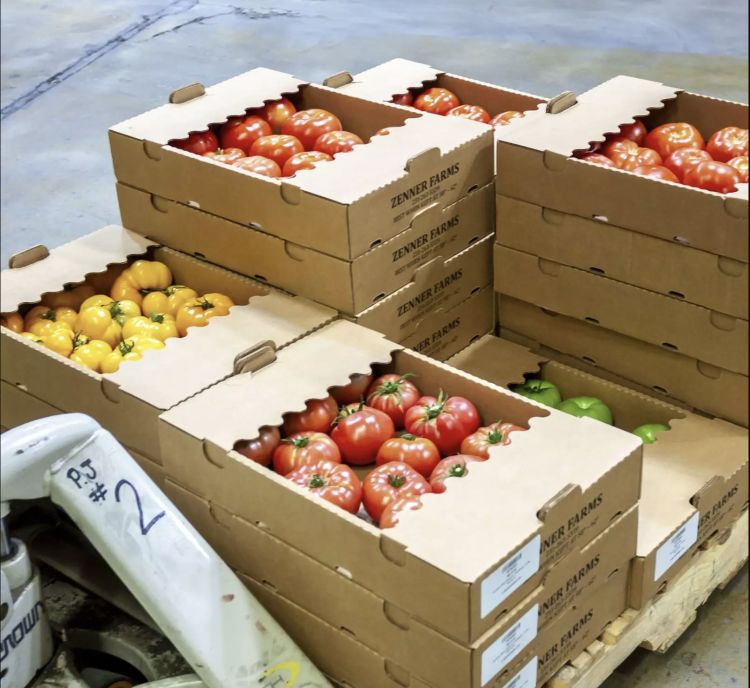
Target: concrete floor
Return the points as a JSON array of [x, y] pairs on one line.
[[71, 69]]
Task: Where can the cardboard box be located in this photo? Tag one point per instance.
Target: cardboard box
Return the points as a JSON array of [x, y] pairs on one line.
[[128, 402], [391, 631], [672, 376], [349, 286], [535, 165], [695, 476], [17, 407], [344, 208], [400, 76], [715, 282], [710, 336], [445, 332], [544, 516], [439, 285]]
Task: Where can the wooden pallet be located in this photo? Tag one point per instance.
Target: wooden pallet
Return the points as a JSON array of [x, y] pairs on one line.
[[658, 625]]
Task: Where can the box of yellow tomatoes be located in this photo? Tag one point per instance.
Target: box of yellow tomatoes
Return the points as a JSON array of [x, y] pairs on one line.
[[118, 327]]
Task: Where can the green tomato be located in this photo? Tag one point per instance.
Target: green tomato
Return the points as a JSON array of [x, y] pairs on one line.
[[590, 407], [648, 431], [541, 391]]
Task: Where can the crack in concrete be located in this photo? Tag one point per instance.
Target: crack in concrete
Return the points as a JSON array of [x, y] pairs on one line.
[[90, 56], [253, 15]]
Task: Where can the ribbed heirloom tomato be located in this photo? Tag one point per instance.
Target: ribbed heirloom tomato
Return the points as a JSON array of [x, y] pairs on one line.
[[359, 432], [198, 142], [656, 172], [242, 132], [713, 176], [668, 138], [225, 155], [334, 142], [334, 482], [197, 312], [318, 415], [740, 164], [478, 444], [303, 448], [387, 483], [277, 147], [306, 160], [392, 513], [627, 154], [438, 101], [452, 467], [727, 143], [355, 391], [596, 158], [419, 452], [472, 112], [261, 448], [444, 421], [393, 394], [259, 165], [308, 125], [276, 113], [685, 159]]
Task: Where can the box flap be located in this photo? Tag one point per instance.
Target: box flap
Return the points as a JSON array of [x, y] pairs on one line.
[[301, 372], [386, 80], [210, 352], [69, 264], [231, 97], [597, 112]]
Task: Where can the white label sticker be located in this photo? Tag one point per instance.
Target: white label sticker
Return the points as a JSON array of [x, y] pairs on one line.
[[676, 546], [526, 678], [507, 647], [510, 576]]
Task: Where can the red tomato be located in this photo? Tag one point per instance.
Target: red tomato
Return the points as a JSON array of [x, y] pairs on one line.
[[684, 159], [387, 483], [318, 416], [444, 421], [740, 164], [419, 452], [403, 99], [452, 467], [308, 125], [656, 172], [198, 142], [668, 138], [242, 132], [393, 394], [727, 143], [355, 391], [617, 144], [334, 142], [392, 513], [627, 154], [597, 159], [713, 176], [360, 432], [438, 101], [225, 155], [276, 113], [261, 448], [259, 165], [277, 147], [635, 131], [505, 118], [479, 443], [472, 112], [303, 448], [331, 481], [306, 160]]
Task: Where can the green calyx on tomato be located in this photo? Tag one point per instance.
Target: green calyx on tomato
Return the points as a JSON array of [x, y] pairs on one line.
[[495, 436], [457, 470], [396, 480], [392, 386], [125, 347], [317, 480], [156, 317], [434, 410], [298, 442]]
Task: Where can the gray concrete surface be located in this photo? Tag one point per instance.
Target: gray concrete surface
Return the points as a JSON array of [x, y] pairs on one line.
[[71, 69]]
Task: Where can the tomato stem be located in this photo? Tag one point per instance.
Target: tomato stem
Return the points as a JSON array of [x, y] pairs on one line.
[[457, 470], [316, 480], [408, 436], [495, 436], [397, 480]]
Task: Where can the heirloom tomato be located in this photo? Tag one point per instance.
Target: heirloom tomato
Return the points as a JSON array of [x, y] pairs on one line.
[[713, 176], [261, 448], [308, 125], [242, 132], [419, 452], [304, 448], [277, 147], [318, 416], [444, 421], [450, 467], [334, 482], [727, 143], [392, 513], [668, 138], [387, 483], [355, 391], [198, 142], [393, 394], [479, 443], [360, 431], [438, 101]]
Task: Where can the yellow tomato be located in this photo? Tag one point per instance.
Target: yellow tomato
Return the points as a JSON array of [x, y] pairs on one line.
[[13, 321], [167, 300], [96, 300], [161, 326], [197, 312], [72, 298], [96, 322], [33, 337], [129, 350], [42, 320], [90, 355], [140, 278], [62, 342]]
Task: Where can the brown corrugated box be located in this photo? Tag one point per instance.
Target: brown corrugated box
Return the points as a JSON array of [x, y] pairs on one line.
[[535, 165], [694, 476], [349, 286], [542, 518], [344, 208], [707, 335], [715, 282], [128, 402], [391, 631], [672, 376]]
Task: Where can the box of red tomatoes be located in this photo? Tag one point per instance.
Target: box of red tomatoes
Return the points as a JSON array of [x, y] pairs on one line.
[[638, 155], [695, 468], [333, 431], [301, 162]]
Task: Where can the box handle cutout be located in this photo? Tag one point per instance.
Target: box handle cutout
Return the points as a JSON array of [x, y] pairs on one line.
[[396, 673], [500, 615], [346, 573], [552, 217], [554, 501], [676, 294], [733, 268], [260, 278], [682, 240], [547, 311], [612, 573], [615, 516], [392, 551], [379, 297], [152, 150], [736, 207], [474, 240], [290, 194], [588, 359], [723, 322], [263, 526], [659, 389], [398, 617], [375, 243], [600, 218], [110, 390], [475, 290], [187, 93], [255, 225], [668, 345], [22, 387], [591, 320], [548, 267], [708, 370], [159, 204], [598, 271], [561, 102], [255, 358], [200, 255], [472, 189], [269, 585], [338, 80], [28, 257], [348, 632]]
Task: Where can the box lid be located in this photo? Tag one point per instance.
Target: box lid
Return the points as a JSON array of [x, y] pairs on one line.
[[386, 80]]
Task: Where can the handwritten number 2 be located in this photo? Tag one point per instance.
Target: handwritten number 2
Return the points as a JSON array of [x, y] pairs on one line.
[[145, 527]]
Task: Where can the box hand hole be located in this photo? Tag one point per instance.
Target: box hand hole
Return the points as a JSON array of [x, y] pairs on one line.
[[676, 294]]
